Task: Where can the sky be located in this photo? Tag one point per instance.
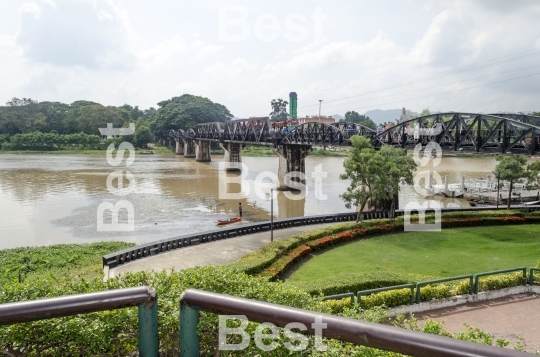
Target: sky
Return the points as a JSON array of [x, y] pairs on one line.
[[468, 56]]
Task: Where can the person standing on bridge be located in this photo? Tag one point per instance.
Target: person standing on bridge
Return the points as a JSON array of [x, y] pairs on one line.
[[240, 209]]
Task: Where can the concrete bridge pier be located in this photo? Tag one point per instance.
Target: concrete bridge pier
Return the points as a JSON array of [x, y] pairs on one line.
[[233, 155], [292, 159], [172, 142], [189, 148], [179, 146], [202, 150]]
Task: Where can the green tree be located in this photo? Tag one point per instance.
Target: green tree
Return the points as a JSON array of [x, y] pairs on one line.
[[425, 112], [533, 176], [354, 117], [279, 110], [21, 116], [55, 114], [143, 134], [375, 175], [89, 118], [137, 114], [511, 169], [187, 111], [536, 114]]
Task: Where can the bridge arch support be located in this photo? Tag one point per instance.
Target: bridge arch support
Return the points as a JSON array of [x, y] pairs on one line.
[[292, 161], [202, 150], [233, 155]]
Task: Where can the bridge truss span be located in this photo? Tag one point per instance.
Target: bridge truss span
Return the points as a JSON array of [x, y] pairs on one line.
[[465, 132]]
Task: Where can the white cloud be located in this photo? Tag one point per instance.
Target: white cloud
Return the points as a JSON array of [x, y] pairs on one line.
[[90, 34], [207, 50], [128, 52]]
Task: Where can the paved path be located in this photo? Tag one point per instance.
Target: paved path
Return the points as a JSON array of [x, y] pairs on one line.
[[507, 318], [213, 253]]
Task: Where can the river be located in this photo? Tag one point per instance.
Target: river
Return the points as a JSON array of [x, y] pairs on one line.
[[50, 199]]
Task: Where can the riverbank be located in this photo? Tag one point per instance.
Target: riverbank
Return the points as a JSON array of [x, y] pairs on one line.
[[263, 151], [156, 150], [59, 262]]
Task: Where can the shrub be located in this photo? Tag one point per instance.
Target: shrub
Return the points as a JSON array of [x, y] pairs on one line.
[[115, 332], [387, 298], [495, 282], [357, 281]]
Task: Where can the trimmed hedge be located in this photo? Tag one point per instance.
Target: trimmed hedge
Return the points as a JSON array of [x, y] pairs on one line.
[[357, 281], [399, 297]]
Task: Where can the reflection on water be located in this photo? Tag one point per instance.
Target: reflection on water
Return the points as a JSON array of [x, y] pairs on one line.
[[46, 199]]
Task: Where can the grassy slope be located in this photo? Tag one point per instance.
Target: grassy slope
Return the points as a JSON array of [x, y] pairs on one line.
[[447, 253], [61, 261]]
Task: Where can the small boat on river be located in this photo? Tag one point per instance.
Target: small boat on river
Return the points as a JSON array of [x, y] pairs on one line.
[[221, 222]]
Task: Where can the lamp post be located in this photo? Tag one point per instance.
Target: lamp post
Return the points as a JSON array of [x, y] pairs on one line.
[[320, 102], [271, 215], [498, 184]]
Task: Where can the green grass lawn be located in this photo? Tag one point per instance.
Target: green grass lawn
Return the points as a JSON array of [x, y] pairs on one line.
[[449, 252]]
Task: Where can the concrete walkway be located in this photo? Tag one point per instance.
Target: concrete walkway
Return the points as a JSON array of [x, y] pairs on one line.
[[506, 318], [213, 253]]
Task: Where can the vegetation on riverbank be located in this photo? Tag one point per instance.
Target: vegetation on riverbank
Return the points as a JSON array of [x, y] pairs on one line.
[[257, 151], [60, 262], [329, 153], [262, 151], [156, 150]]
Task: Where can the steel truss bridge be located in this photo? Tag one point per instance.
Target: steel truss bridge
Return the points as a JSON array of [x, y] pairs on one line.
[[267, 133], [491, 133]]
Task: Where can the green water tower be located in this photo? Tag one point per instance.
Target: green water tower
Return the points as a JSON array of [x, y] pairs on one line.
[[293, 105]]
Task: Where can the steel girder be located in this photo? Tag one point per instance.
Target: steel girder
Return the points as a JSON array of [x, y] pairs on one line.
[[265, 132], [315, 134], [531, 119], [465, 131], [350, 129]]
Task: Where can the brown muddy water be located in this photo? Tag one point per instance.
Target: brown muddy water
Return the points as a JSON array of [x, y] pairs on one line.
[[50, 199]]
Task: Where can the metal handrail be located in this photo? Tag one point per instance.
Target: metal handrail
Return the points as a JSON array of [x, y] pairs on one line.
[[359, 294], [494, 272], [359, 332], [531, 275], [339, 297], [429, 282], [144, 297]]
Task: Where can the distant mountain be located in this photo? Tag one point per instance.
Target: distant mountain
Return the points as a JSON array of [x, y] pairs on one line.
[[381, 116], [337, 117]]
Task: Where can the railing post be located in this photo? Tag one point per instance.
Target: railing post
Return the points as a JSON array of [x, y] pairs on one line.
[[531, 275], [476, 278], [148, 329], [189, 339]]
